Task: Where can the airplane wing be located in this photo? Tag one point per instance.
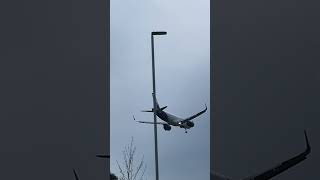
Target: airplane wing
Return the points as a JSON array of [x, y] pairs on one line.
[[284, 165], [216, 176], [75, 174], [196, 115], [103, 156], [148, 122]]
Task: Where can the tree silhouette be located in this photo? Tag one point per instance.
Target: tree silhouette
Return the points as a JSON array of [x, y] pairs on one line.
[[130, 169]]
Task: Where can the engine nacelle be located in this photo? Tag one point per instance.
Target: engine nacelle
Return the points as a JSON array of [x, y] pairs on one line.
[[166, 127], [190, 124]]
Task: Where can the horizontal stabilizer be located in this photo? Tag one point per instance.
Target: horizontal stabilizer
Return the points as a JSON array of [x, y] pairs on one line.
[[152, 109], [163, 108], [147, 110]]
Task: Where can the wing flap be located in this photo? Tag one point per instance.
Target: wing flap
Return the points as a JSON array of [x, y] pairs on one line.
[[148, 122]]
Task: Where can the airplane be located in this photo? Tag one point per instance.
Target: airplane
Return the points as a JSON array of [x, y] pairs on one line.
[[171, 120], [268, 174], [99, 156]]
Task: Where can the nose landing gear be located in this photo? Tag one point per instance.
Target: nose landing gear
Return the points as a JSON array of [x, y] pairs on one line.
[[185, 130]]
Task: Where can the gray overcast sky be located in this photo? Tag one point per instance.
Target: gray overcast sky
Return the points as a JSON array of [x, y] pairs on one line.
[[182, 77]]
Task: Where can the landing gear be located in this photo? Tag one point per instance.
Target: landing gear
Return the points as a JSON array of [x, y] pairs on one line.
[[185, 130]]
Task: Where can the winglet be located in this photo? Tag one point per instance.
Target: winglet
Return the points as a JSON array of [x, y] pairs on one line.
[[308, 150], [205, 108], [75, 174]]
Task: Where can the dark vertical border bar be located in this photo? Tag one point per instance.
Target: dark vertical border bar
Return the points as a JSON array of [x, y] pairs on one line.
[[212, 87], [106, 15], [54, 66]]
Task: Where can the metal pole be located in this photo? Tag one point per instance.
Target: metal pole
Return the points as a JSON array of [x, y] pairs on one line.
[[154, 113], [154, 102]]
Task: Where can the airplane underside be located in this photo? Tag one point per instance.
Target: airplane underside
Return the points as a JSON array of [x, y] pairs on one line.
[[167, 127], [170, 119]]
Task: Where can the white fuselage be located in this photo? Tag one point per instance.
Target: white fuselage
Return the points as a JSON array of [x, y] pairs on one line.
[[172, 119]]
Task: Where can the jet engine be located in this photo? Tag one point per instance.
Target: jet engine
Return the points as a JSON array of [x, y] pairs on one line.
[[166, 127], [190, 124]]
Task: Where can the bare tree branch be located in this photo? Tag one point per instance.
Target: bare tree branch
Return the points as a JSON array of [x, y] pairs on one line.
[[129, 170]]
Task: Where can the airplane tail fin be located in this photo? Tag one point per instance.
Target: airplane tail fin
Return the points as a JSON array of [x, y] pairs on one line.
[[155, 100], [156, 103]]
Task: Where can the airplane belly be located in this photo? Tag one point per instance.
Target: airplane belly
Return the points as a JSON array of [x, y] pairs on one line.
[[169, 118], [162, 115], [173, 119]]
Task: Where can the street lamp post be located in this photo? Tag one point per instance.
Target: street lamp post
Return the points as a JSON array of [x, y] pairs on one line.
[[154, 102]]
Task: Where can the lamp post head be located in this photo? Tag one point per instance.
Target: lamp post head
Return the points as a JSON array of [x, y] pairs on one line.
[[159, 33]]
